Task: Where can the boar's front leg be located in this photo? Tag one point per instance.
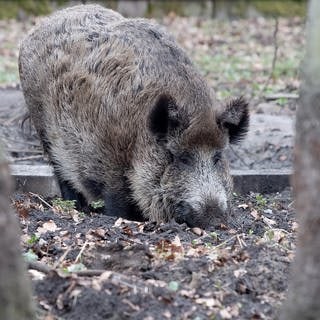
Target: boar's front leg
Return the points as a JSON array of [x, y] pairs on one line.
[[117, 202], [69, 193], [120, 206]]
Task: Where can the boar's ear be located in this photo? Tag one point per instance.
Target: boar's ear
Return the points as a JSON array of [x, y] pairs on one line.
[[163, 117], [235, 118]]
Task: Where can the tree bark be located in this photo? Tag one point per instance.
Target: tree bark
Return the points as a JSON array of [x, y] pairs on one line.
[[304, 291], [15, 291]]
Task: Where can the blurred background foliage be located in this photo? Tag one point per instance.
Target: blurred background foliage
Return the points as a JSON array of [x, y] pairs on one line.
[[242, 47], [157, 8]]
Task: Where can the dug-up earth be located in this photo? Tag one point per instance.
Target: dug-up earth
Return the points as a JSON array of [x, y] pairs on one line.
[[91, 266]]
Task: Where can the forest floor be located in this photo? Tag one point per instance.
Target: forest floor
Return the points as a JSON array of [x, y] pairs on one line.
[[97, 267], [91, 266]]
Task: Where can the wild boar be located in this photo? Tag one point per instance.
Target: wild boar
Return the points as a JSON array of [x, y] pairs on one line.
[[124, 116]]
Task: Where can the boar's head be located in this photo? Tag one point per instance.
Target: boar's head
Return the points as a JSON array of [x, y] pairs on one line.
[[196, 182]]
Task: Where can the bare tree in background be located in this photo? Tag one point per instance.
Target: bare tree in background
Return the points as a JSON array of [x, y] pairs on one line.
[[15, 292], [304, 291]]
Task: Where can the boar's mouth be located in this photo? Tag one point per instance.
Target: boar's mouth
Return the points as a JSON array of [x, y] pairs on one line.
[[204, 218]]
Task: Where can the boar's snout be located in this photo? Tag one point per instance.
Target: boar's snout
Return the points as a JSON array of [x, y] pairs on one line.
[[184, 213], [210, 214]]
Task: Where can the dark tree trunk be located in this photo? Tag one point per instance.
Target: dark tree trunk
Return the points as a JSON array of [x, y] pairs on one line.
[[304, 291], [15, 292]]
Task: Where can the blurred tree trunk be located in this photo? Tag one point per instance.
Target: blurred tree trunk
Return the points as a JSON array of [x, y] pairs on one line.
[[15, 292], [304, 291]]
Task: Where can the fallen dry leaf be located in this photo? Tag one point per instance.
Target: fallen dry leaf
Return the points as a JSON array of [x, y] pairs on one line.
[[118, 222], [239, 273], [49, 226], [243, 206], [255, 214], [225, 314], [59, 301], [209, 302], [197, 231], [100, 232], [36, 275], [267, 221]]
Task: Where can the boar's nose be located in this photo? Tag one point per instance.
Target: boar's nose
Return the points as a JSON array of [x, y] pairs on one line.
[[184, 212], [209, 215]]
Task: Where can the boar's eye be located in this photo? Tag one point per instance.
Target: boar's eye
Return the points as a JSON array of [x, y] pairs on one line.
[[170, 156], [184, 159], [217, 157]]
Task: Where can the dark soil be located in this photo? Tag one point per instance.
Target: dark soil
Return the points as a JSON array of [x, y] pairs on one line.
[[167, 271]]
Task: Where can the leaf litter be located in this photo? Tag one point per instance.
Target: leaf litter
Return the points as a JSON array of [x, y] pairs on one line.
[[101, 267]]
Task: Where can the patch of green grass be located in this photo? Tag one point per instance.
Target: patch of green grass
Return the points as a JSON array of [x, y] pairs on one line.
[[30, 256], [10, 9], [208, 245], [194, 242], [284, 8], [8, 71], [261, 200], [214, 235], [97, 204], [65, 205], [76, 267], [218, 284], [33, 240], [173, 286], [8, 77], [230, 69], [269, 234], [282, 101], [287, 67]]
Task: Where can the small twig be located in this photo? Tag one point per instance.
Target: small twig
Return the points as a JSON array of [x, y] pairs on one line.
[[241, 242], [39, 267], [279, 229], [240, 158], [275, 54], [43, 201], [81, 252], [46, 269], [29, 158], [35, 144], [89, 273], [60, 260], [25, 151], [114, 277], [15, 117], [291, 204], [225, 242], [131, 305]]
